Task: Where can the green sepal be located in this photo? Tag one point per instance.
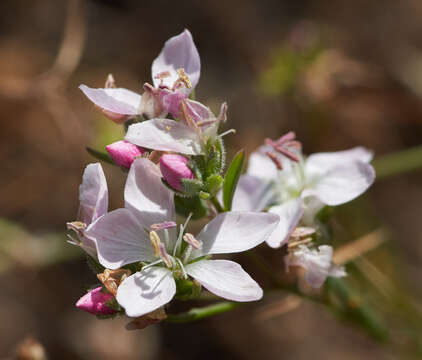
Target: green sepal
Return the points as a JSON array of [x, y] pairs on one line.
[[231, 179], [187, 289], [214, 183], [94, 265], [191, 187], [195, 205], [204, 195]]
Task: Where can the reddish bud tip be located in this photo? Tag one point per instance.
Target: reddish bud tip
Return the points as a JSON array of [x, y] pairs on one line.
[[123, 152], [94, 302], [174, 168]]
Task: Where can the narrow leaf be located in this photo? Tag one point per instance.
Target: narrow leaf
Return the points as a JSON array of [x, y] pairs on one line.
[[100, 155], [231, 179]]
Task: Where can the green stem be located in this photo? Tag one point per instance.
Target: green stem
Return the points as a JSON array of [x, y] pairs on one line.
[[398, 162], [353, 309], [195, 314], [217, 204]]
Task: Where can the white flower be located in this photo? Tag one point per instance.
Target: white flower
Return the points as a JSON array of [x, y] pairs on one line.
[[93, 198], [188, 136], [144, 231], [302, 188], [318, 264]]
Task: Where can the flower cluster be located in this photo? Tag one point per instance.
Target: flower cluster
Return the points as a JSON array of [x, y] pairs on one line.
[[174, 153]]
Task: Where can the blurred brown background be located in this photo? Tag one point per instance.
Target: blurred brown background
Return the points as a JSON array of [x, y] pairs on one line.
[[340, 74]]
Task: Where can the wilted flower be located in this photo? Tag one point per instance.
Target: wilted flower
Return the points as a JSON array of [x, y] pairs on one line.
[[95, 302], [93, 198], [175, 72], [317, 263], [123, 153], [175, 167], [145, 231], [296, 188]]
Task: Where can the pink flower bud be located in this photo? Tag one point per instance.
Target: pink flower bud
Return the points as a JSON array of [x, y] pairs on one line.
[[94, 302], [123, 153], [174, 168]]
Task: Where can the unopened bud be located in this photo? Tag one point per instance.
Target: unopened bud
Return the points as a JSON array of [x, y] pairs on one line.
[[94, 302], [174, 168], [124, 153]]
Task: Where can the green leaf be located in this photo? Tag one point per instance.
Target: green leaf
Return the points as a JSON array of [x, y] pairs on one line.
[[100, 155], [231, 179]]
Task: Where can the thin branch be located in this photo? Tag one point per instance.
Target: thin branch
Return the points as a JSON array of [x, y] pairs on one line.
[[195, 314]]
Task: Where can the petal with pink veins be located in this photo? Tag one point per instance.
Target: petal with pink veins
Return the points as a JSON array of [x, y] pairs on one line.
[[178, 52], [117, 100], [165, 135], [93, 194], [120, 239], [146, 196]]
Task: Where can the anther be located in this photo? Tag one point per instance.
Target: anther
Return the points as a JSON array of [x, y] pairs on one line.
[[184, 78], [163, 225], [283, 146], [110, 83], [191, 240], [274, 158], [155, 242]]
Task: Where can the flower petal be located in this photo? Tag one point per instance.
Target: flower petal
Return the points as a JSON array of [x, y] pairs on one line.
[[93, 194], [235, 231], [120, 239], [226, 279], [290, 214], [146, 196], [317, 264], [321, 162], [252, 194], [342, 183], [116, 100], [164, 135], [261, 166], [178, 52], [146, 291]]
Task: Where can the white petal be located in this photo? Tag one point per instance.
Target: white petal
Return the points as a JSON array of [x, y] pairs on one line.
[[93, 194], [321, 162], [235, 231], [178, 52], [342, 183], [164, 135], [316, 263], [252, 194], [290, 214], [261, 166], [119, 100], [120, 239], [146, 291], [146, 195], [226, 279]]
